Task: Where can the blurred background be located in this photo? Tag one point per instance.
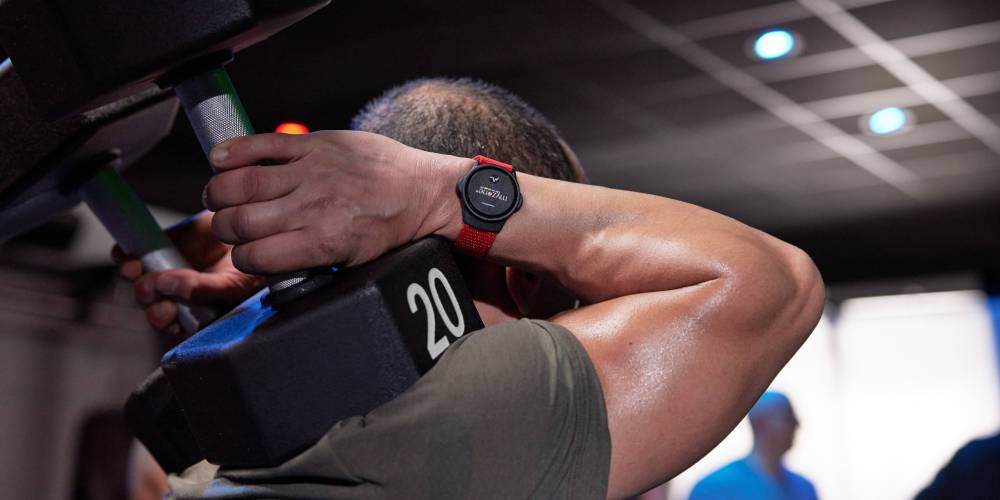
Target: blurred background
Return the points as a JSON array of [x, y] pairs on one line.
[[865, 131]]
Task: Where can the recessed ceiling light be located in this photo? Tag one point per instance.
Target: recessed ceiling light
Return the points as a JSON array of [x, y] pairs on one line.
[[774, 44], [888, 121]]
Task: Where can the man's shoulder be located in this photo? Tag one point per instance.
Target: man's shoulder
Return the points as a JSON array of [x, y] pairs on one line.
[[801, 484], [980, 451], [526, 393]]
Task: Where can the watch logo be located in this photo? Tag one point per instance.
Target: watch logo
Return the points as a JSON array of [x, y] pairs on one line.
[[495, 179], [492, 193]]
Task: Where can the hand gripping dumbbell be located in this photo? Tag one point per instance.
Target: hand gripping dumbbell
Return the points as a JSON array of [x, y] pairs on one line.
[[269, 378]]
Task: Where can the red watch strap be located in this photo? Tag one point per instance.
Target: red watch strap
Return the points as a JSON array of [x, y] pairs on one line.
[[482, 160], [473, 241]]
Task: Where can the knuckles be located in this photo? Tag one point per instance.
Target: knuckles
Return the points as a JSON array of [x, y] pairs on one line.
[[241, 224], [233, 187], [216, 190], [220, 227], [250, 180], [276, 143], [161, 315], [247, 258], [326, 248], [143, 289], [233, 225]]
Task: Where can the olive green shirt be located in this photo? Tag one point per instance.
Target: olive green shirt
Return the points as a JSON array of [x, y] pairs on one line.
[[513, 411]]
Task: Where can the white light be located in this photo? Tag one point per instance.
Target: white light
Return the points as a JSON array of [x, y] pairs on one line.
[[774, 44], [887, 121], [868, 386]]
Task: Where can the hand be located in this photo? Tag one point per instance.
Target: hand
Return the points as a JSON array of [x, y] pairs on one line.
[[340, 198], [213, 281]]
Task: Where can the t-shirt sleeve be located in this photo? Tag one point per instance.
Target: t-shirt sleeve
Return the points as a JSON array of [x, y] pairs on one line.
[[513, 411]]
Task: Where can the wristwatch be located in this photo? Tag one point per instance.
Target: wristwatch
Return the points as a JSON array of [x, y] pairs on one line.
[[489, 195]]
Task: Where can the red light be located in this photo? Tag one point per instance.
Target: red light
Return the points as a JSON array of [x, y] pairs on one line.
[[292, 128]]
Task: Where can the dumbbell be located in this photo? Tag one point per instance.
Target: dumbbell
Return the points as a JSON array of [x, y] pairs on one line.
[[269, 378], [99, 50], [261, 384], [49, 167], [75, 56]]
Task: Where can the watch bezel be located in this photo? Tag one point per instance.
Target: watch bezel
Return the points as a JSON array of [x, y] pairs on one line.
[[467, 204]]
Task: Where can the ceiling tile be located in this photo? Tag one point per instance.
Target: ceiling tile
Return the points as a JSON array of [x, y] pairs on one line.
[[841, 83], [902, 18]]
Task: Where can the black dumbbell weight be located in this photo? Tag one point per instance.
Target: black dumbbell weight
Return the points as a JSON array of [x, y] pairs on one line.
[[260, 384]]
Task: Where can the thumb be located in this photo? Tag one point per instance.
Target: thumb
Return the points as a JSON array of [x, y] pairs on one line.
[[194, 287]]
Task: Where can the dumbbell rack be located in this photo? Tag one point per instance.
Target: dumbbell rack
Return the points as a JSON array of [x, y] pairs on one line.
[[270, 377]]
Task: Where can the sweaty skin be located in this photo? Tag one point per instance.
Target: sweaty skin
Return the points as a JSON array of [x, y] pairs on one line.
[[691, 314]]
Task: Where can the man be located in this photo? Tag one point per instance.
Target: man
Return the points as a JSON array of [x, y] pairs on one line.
[[971, 473], [761, 475], [686, 314]]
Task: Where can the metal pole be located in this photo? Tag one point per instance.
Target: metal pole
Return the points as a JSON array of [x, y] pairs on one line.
[[128, 220]]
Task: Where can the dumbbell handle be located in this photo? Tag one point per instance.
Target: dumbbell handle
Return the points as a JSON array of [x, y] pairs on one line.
[[217, 115], [131, 225]]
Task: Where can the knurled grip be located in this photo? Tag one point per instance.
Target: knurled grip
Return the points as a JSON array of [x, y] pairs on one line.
[[213, 108], [126, 217], [217, 115]]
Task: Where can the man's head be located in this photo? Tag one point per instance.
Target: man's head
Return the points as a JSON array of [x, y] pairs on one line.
[[773, 421], [464, 117]]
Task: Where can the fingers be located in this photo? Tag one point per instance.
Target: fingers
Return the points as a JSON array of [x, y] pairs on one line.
[[246, 185], [161, 314], [131, 269], [194, 240], [144, 289], [246, 223], [191, 230], [255, 149], [280, 253], [190, 286], [192, 237], [160, 292], [202, 288]]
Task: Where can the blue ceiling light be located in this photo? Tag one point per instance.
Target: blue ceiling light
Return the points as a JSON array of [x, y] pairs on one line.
[[887, 121], [774, 44]]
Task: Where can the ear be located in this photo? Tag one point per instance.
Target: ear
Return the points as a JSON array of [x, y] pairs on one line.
[[581, 175], [537, 296], [523, 288]]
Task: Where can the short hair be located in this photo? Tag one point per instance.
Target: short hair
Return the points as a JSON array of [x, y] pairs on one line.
[[466, 117], [771, 403]]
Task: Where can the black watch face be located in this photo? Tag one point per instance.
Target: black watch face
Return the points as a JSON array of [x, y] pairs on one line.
[[491, 192]]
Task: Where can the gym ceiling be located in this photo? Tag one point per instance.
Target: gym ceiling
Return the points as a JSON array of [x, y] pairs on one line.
[[666, 97]]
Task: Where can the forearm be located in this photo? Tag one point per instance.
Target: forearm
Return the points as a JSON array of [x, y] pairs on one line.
[[691, 313], [602, 243]]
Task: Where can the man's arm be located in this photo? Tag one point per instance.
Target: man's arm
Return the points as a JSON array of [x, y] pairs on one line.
[[692, 313]]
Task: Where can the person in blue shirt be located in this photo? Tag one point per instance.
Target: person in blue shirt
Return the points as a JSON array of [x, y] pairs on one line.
[[761, 474], [970, 474]]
